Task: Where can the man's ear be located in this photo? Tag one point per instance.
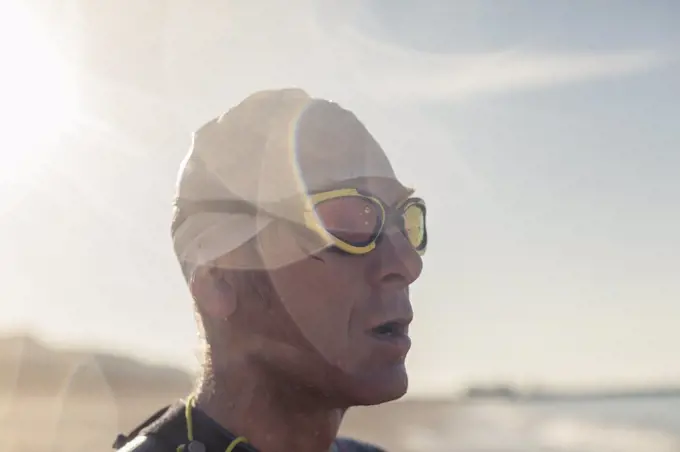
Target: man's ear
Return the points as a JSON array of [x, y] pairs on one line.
[[213, 293]]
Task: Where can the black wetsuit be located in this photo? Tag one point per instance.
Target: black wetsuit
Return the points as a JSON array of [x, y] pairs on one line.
[[167, 430]]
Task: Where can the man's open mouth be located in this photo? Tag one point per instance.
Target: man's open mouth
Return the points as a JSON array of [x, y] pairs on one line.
[[390, 329]]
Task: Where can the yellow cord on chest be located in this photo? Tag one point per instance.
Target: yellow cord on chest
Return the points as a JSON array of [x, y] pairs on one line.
[[188, 409]]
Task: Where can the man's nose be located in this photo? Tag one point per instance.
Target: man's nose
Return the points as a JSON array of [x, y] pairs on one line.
[[398, 263]]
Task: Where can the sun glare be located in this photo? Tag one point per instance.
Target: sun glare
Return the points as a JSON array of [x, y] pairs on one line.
[[38, 96]]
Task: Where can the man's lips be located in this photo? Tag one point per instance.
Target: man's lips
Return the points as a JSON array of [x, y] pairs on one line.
[[393, 333], [396, 327]]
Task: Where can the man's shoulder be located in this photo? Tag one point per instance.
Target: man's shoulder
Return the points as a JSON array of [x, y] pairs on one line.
[[352, 445]]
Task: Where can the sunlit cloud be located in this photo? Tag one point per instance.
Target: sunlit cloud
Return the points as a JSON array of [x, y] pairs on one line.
[[395, 73], [328, 50], [327, 47], [413, 76]]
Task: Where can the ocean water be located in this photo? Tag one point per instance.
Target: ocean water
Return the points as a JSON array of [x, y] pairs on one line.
[[623, 425]]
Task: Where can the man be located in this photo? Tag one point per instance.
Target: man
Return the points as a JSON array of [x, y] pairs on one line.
[[298, 244]]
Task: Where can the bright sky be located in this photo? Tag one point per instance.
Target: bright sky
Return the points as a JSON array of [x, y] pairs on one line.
[[543, 135]]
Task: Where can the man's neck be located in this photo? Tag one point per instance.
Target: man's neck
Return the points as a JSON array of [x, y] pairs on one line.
[[273, 419]]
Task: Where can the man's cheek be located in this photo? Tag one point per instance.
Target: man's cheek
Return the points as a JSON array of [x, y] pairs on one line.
[[320, 321]]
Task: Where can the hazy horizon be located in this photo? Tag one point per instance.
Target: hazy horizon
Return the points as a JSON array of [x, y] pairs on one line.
[[544, 137], [87, 356]]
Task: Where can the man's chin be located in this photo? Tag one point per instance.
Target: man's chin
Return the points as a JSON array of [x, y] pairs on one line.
[[380, 387]]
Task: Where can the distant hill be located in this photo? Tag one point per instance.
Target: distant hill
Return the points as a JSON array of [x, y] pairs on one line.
[[28, 366]]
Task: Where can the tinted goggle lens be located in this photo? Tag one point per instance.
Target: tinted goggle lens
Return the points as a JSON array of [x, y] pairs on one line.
[[358, 220], [352, 219], [414, 225]]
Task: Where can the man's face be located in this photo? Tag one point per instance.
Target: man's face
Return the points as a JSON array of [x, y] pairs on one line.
[[342, 325]]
